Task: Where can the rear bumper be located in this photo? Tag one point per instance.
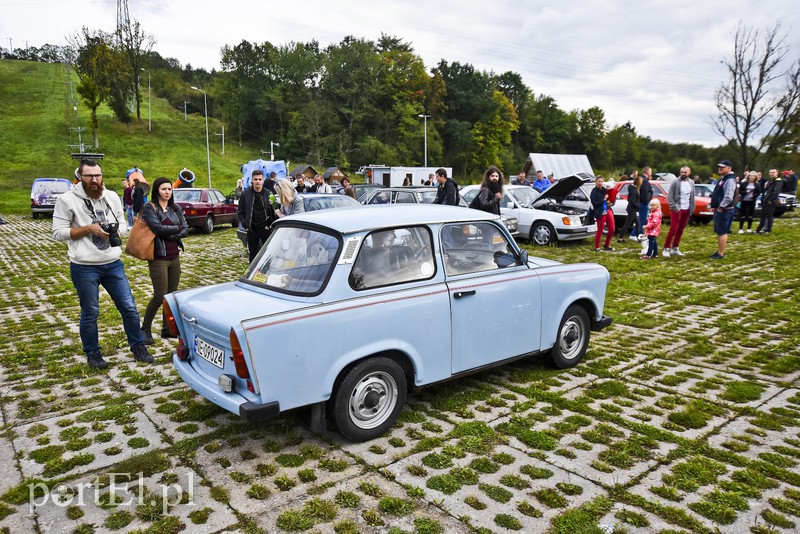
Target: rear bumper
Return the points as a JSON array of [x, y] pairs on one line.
[[232, 402], [599, 324], [197, 221]]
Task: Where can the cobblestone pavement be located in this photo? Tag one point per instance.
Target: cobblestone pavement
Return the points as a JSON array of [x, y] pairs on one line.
[[685, 415]]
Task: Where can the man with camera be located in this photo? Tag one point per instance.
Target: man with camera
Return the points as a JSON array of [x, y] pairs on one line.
[[90, 219]]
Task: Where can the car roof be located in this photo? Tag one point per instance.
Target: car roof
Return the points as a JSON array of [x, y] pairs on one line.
[[359, 218]]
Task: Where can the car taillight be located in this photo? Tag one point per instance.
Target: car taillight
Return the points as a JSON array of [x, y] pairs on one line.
[[172, 325], [182, 351], [190, 211], [238, 356]]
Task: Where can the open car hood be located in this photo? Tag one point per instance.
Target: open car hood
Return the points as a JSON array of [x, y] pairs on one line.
[[560, 189]]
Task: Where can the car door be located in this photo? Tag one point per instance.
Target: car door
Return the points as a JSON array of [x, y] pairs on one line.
[[495, 302]]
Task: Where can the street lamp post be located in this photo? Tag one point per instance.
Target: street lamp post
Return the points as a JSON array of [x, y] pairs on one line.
[[425, 125], [149, 122], [271, 154], [184, 110], [208, 150]]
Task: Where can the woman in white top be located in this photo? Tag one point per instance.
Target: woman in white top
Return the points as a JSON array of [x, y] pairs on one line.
[[749, 190]]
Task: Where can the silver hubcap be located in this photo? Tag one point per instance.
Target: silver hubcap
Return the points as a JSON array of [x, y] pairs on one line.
[[541, 235], [373, 400], [571, 339]]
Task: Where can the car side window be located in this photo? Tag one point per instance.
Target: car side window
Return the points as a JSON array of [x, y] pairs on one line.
[[404, 198], [394, 256], [475, 247]]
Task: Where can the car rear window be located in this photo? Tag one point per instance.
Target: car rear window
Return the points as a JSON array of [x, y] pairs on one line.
[[186, 196], [295, 260]]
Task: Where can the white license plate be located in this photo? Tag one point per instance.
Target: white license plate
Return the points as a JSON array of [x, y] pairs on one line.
[[210, 353]]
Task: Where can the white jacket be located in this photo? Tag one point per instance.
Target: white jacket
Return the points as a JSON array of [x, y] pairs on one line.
[[71, 211]]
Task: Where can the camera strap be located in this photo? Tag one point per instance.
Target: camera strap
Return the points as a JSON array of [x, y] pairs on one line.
[[93, 215]]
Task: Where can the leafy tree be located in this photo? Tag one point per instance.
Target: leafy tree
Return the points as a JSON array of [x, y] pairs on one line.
[[136, 45], [97, 65]]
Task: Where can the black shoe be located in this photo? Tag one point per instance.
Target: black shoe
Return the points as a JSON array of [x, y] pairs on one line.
[[96, 361], [166, 334], [608, 248], [717, 256], [140, 354], [147, 337]]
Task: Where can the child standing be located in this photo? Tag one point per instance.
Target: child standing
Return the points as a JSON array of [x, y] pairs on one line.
[[652, 229]]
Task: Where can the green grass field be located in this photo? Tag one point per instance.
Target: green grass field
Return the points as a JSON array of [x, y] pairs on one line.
[[34, 137]]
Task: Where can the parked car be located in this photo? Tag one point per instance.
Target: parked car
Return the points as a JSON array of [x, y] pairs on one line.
[[542, 218], [362, 189], [702, 213], [312, 202], [422, 195], [205, 208], [44, 192], [786, 201], [438, 291]]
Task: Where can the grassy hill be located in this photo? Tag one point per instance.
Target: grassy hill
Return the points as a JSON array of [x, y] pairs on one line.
[[34, 137]]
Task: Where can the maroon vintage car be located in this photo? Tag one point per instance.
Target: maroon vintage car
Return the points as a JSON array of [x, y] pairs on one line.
[[205, 208]]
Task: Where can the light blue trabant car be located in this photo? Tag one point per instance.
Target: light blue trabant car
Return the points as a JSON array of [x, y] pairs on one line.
[[346, 309]]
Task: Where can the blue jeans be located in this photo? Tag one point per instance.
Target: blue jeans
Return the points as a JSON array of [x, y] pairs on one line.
[[652, 246], [129, 215], [644, 211], [87, 280]]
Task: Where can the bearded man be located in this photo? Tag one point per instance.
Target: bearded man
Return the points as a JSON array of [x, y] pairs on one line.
[[90, 219]]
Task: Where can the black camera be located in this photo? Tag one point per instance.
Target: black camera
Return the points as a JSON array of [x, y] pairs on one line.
[[112, 229]]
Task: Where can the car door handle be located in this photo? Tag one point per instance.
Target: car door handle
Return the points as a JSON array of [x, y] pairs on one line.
[[459, 294]]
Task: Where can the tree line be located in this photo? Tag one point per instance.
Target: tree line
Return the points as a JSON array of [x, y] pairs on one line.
[[361, 101]]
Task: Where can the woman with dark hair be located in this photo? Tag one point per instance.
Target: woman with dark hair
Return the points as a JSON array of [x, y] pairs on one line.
[[165, 219], [491, 193], [632, 211]]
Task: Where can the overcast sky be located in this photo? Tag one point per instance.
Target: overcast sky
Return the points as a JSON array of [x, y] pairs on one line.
[[653, 63]]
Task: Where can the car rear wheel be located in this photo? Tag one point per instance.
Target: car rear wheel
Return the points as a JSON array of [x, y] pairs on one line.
[[35, 215], [368, 398], [208, 227], [572, 339], [543, 233]]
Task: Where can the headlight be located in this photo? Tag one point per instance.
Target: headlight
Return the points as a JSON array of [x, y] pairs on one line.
[[781, 200]]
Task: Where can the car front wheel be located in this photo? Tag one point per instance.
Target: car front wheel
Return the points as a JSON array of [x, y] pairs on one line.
[[572, 339], [543, 233], [208, 227], [368, 398]]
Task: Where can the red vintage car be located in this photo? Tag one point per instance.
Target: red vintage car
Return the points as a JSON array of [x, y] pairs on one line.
[[205, 208], [702, 213]]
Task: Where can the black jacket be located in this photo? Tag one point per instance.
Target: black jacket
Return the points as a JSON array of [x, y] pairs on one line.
[[138, 200], [598, 197], [447, 193], [245, 210], [645, 191], [486, 201], [152, 214], [633, 198], [743, 190], [772, 189]]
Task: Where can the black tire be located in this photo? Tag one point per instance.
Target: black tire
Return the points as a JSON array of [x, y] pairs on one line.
[[235, 223], [35, 215], [368, 398], [208, 227], [543, 233], [572, 339]]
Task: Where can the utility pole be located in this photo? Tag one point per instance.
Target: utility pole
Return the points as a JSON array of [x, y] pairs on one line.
[[184, 111], [425, 126], [223, 138], [10, 46], [271, 153]]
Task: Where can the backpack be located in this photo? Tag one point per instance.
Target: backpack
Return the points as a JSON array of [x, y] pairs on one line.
[[475, 204]]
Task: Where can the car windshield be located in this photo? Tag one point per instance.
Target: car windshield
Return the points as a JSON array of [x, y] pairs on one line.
[[186, 195], [296, 260], [313, 203], [427, 197], [51, 187], [525, 196]]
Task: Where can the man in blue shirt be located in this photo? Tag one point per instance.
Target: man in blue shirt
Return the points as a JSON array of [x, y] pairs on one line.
[[541, 182]]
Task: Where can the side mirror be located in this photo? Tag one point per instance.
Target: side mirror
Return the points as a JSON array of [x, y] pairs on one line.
[[509, 204], [523, 257]]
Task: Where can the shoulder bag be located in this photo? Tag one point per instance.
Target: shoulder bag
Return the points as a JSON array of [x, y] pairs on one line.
[[141, 241]]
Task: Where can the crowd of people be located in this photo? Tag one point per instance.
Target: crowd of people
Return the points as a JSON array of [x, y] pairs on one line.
[[90, 219]]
